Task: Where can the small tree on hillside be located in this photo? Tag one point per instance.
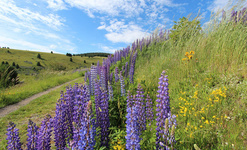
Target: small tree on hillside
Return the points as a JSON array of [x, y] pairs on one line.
[[17, 66], [38, 64], [51, 52], [39, 56], [85, 61], [2, 62], [13, 64], [71, 59]]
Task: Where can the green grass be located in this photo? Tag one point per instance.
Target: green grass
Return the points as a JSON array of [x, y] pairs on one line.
[[28, 60], [35, 110], [207, 93], [34, 84], [55, 69]]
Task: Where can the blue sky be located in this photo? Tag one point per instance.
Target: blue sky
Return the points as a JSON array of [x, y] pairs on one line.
[[81, 26]]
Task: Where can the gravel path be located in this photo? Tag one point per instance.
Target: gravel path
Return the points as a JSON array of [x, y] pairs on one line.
[[8, 109]]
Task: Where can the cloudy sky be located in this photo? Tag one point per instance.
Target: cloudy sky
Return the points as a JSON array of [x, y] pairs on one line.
[[80, 26]]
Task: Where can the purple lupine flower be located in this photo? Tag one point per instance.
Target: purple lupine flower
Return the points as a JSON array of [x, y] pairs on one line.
[[69, 110], [80, 104], [163, 108], [13, 137], [122, 84], [110, 91], [88, 130], [149, 109], [97, 95], [32, 135], [116, 75], [98, 68], [111, 76], [44, 134], [129, 99], [133, 129], [93, 77], [59, 125], [103, 78], [140, 105], [105, 122]]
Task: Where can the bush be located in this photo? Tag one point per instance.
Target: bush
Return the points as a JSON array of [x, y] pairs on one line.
[[13, 64], [17, 66], [2, 62], [85, 61], [39, 56], [38, 64], [71, 59], [8, 76]]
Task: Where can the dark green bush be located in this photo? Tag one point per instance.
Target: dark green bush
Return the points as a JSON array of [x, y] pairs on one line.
[[8, 76], [38, 64]]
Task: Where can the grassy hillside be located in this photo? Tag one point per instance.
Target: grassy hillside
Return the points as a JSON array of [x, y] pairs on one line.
[[28, 60], [208, 92], [55, 69]]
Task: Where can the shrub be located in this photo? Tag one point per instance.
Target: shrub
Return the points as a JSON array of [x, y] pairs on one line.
[[17, 66], [8, 76], [38, 64], [13, 64], [39, 56], [71, 59], [85, 61]]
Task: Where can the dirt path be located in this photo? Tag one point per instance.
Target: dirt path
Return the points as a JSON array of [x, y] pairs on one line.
[[8, 109]]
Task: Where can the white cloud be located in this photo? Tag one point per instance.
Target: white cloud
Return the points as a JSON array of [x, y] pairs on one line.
[[118, 31], [56, 4], [22, 44], [169, 3], [11, 13], [109, 7]]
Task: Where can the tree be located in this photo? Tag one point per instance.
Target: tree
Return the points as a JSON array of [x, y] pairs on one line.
[[13, 64], [184, 29], [6, 63], [68, 54], [51, 52], [17, 66], [39, 56], [38, 63], [71, 59], [2, 62], [85, 61]]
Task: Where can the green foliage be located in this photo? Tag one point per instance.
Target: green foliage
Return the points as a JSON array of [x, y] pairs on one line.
[[39, 56], [71, 60], [184, 29], [38, 63], [8, 76], [13, 64], [17, 66]]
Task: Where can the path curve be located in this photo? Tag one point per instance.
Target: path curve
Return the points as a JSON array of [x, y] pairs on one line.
[[8, 109]]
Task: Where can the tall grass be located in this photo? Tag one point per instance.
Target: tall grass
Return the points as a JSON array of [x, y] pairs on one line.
[[34, 84], [208, 92]]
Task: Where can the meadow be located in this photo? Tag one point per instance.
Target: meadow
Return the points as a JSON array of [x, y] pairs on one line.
[[185, 89], [55, 69]]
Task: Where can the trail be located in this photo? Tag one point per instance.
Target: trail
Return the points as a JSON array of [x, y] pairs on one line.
[[8, 109]]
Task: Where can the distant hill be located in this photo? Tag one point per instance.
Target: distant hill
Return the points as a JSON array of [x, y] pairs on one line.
[[29, 60], [94, 54]]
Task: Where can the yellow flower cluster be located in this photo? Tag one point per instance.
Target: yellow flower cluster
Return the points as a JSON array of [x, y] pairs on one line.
[[189, 55], [199, 117], [119, 146]]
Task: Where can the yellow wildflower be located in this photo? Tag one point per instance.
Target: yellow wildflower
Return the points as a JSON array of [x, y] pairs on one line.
[[206, 122], [192, 52], [187, 53]]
